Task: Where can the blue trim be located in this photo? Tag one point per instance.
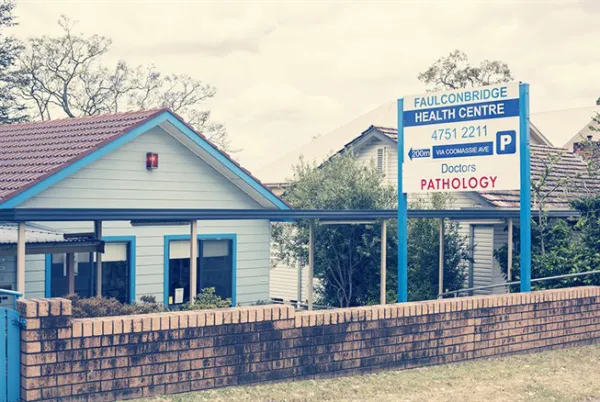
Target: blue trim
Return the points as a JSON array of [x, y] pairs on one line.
[[128, 137], [132, 248], [228, 236], [525, 216], [48, 286], [402, 214]]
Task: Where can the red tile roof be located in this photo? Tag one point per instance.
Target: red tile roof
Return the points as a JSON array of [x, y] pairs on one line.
[[30, 152]]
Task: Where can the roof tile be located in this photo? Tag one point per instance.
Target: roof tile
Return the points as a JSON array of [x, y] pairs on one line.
[[29, 152]]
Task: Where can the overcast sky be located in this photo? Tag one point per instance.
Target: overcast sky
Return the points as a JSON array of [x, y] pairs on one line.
[[286, 71]]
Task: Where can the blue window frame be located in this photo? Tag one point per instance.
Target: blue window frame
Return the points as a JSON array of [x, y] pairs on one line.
[[203, 263], [86, 285]]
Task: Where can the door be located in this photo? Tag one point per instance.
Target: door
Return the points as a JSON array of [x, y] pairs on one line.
[[10, 355], [483, 257]]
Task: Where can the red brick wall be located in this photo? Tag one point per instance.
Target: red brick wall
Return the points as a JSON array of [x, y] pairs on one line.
[[135, 356]]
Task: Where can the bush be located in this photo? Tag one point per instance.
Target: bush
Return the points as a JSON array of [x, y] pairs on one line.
[[108, 307], [570, 246], [207, 299]]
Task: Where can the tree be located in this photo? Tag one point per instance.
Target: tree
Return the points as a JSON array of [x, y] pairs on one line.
[[424, 251], [66, 75], [454, 72], [10, 109], [347, 257]]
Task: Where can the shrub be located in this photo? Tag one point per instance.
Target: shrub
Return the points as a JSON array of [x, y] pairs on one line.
[[108, 307], [207, 299]]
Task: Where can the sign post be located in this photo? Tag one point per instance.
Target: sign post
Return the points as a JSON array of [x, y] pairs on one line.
[[402, 215], [525, 213], [474, 139]]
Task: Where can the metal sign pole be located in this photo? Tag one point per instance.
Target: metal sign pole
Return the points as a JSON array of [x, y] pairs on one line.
[[402, 215], [525, 214]]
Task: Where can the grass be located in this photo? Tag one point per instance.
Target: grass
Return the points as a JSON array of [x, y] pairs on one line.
[[562, 375]]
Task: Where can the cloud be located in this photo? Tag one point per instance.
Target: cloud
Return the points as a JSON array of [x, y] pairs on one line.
[[286, 71]]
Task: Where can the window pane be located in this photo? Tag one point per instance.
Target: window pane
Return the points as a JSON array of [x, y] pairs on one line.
[[215, 267], [84, 271], [179, 270], [179, 249], [115, 272], [179, 278], [58, 272]]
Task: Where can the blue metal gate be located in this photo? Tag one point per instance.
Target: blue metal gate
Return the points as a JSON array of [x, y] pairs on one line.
[[10, 355]]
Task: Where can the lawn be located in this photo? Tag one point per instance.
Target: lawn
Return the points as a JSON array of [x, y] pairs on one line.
[[563, 375]]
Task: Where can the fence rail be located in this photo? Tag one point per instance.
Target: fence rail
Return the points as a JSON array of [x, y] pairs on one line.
[[15, 295], [456, 293]]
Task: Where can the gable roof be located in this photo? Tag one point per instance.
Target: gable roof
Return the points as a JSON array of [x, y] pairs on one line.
[[322, 147], [35, 155], [567, 180]]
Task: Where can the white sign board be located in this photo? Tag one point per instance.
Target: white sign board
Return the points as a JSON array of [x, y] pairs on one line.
[[463, 140], [178, 295]]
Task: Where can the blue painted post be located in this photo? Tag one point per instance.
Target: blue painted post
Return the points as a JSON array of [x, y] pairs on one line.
[[3, 349], [402, 215], [13, 356], [525, 213]]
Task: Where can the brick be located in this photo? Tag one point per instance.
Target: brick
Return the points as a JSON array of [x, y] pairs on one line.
[[31, 394], [43, 307], [64, 333], [27, 308]]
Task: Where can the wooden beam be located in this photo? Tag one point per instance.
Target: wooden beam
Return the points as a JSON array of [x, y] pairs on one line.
[[193, 259], [98, 234], [510, 251], [299, 269], [311, 261], [21, 241], [382, 269], [71, 272]]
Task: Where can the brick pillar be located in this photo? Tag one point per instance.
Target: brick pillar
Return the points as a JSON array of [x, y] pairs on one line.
[[45, 373]]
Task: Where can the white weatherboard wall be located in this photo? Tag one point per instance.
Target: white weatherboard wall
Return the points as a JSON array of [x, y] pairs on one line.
[[183, 180]]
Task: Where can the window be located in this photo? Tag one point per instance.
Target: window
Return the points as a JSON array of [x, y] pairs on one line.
[[84, 273], [381, 160], [115, 272], [117, 269], [215, 268]]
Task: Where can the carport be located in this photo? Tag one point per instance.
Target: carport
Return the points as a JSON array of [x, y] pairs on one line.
[[21, 218]]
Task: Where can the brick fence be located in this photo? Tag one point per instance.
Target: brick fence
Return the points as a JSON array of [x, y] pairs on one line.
[[128, 357]]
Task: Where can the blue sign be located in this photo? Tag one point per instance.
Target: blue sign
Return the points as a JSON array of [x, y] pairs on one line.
[[463, 150], [419, 153], [506, 142], [468, 112]]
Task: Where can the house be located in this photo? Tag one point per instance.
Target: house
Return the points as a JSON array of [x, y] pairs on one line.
[[378, 144], [565, 128], [143, 161]]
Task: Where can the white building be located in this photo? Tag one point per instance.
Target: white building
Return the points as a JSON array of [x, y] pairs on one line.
[[144, 161]]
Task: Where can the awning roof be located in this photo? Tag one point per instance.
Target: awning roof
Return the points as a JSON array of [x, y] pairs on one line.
[[43, 240]]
